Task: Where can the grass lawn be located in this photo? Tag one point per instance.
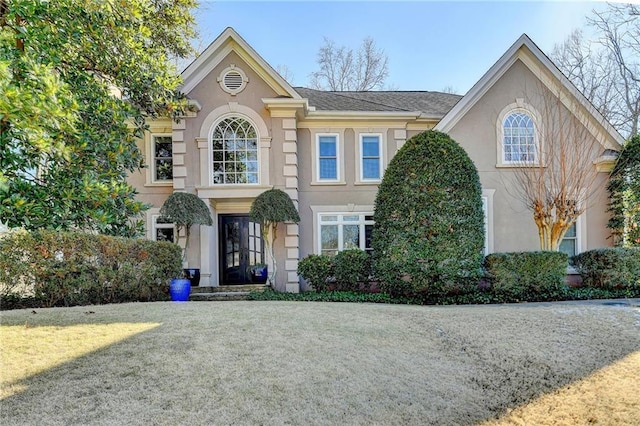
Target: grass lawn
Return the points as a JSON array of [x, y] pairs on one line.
[[202, 363]]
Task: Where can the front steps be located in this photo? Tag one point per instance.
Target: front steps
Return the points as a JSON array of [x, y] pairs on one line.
[[224, 292]]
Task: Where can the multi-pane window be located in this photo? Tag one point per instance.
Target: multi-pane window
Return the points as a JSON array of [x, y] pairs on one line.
[[163, 230], [519, 144], [235, 152], [345, 231], [327, 150], [162, 149], [569, 243], [370, 151]]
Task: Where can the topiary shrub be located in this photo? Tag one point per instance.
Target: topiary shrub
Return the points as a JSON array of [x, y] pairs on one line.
[[429, 225], [526, 275], [268, 209], [609, 267], [316, 270], [184, 210], [352, 269]]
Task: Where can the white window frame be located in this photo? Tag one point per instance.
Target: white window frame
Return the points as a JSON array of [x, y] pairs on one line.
[[519, 107], [319, 179], [360, 158], [581, 232], [152, 225], [340, 222], [152, 156], [210, 153]]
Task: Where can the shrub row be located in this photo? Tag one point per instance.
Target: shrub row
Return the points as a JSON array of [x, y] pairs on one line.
[[526, 275], [509, 277], [609, 268], [349, 270], [49, 268]]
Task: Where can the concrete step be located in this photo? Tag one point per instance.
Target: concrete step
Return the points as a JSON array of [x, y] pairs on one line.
[[218, 296], [229, 288]]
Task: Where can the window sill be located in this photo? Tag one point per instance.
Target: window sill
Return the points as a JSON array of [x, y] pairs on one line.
[[368, 182], [516, 166], [159, 184], [328, 183], [231, 191]]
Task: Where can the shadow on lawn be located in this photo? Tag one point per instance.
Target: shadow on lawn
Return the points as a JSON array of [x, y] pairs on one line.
[[161, 375]]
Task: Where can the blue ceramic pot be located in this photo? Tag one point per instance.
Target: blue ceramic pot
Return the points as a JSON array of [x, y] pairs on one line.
[[179, 289]]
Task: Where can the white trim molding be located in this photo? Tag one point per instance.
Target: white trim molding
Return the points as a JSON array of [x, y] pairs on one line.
[[519, 106], [315, 160], [233, 109], [487, 207], [382, 148]]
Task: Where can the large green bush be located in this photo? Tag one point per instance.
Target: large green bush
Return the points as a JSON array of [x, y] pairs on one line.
[[316, 270], [609, 267], [352, 270], [429, 224], [526, 275], [73, 268]]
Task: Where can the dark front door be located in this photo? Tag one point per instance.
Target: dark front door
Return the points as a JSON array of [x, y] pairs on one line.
[[241, 247]]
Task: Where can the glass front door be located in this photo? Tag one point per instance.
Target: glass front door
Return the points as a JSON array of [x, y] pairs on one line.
[[241, 248]]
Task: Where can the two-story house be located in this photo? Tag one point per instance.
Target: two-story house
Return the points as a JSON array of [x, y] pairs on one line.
[[252, 131]]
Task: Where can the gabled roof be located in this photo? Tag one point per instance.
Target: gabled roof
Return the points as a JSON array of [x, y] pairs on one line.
[[431, 104], [230, 41], [525, 50]]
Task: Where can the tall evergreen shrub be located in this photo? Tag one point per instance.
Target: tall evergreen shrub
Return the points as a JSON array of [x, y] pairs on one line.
[[429, 225]]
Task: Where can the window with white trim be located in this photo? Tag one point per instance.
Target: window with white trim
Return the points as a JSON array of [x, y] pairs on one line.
[[235, 152], [328, 159], [162, 160], [162, 230], [344, 231], [370, 158], [569, 243], [519, 138]]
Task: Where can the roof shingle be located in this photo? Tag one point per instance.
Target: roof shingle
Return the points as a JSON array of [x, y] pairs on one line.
[[429, 103]]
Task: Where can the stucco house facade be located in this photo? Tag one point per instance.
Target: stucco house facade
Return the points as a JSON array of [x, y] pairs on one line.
[[251, 131]]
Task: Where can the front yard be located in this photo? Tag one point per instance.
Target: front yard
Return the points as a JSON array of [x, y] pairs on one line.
[[321, 363]]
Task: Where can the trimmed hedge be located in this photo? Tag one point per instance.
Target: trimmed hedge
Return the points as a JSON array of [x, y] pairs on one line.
[[317, 270], [428, 237], [609, 268], [352, 268], [50, 268], [526, 275], [349, 270]]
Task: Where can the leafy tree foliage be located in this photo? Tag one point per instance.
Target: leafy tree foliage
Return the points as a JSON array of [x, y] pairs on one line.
[[270, 208], [624, 193], [78, 80], [185, 210], [429, 225]]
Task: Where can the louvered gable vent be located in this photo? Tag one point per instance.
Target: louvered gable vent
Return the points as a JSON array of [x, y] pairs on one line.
[[233, 80]]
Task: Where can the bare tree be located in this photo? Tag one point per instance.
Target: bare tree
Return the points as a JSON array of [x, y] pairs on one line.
[[558, 182], [286, 73], [619, 27], [343, 69], [607, 70]]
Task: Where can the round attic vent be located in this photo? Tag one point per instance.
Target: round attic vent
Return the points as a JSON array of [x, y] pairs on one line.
[[233, 80]]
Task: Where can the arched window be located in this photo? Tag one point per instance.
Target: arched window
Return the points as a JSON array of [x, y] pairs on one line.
[[519, 139], [235, 152]]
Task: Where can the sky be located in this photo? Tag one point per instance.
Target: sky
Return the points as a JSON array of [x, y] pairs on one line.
[[430, 45]]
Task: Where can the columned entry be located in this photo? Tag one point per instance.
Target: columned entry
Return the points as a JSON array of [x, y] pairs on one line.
[[241, 247]]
